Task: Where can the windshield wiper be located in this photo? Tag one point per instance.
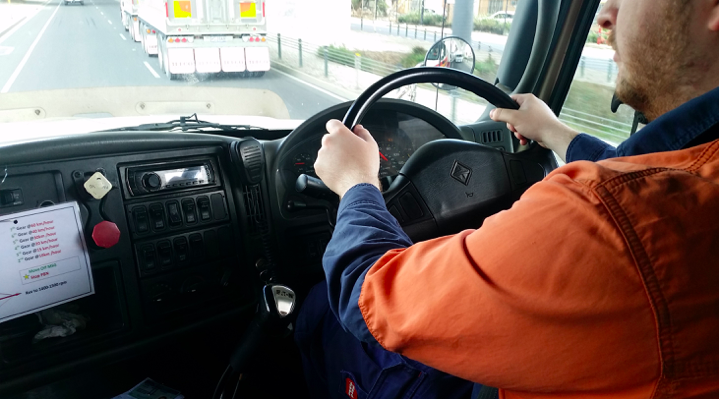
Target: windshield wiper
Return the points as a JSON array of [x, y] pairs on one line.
[[186, 124]]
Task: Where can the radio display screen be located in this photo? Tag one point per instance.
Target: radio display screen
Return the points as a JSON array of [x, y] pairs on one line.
[[184, 176]]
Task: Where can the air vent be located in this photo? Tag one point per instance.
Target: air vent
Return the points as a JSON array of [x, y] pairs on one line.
[[254, 207], [492, 137], [249, 159]]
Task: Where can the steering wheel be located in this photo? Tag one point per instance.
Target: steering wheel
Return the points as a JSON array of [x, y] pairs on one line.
[[448, 185]]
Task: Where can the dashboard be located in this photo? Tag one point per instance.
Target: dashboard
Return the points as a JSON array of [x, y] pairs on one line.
[[398, 136], [203, 222]]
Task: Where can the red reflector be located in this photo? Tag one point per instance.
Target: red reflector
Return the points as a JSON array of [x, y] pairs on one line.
[[167, 11], [263, 9], [184, 39], [153, 31]]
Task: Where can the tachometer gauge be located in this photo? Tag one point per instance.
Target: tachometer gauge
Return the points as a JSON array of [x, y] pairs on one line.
[[393, 154], [304, 163]]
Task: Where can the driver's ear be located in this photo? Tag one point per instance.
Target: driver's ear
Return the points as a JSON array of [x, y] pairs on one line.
[[714, 17]]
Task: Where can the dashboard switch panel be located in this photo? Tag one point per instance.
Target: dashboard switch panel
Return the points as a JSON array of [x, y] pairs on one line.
[[203, 204], [189, 210], [157, 216], [183, 250], [174, 215], [142, 221]]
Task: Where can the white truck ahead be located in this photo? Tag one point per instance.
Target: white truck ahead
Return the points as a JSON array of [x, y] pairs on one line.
[[205, 36], [128, 12]]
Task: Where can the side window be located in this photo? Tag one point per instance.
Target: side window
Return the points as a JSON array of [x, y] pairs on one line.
[[588, 105]]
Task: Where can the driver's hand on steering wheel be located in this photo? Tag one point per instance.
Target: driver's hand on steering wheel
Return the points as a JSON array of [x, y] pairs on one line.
[[534, 120], [347, 159]]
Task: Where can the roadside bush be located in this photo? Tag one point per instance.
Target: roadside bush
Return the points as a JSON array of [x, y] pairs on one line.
[[414, 58], [368, 5], [492, 26], [597, 38], [486, 69], [413, 18]]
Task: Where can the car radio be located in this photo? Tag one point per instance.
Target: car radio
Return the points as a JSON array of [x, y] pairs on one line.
[[152, 179]]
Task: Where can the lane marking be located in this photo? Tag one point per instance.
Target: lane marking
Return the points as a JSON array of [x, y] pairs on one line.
[[152, 71], [102, 13], [24, 21], [22, 63], [5, 50], [123, 36], [109, 22], [311, 85]]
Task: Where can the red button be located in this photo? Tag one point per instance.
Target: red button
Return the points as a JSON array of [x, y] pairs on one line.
[[106, 234]]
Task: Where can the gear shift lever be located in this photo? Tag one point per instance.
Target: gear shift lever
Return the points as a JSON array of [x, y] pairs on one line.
[[273, 315], [276, 305]]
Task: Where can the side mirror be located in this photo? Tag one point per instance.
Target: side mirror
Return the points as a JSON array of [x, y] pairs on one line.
[[451, 52]]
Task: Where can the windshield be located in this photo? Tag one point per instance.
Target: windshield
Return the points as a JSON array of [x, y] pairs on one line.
[[278, 59]]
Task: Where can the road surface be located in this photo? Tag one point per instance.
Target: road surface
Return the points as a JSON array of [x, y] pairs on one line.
[[78, 46]]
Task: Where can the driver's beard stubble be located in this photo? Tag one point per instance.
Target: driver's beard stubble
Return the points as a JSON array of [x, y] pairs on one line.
[[656, 69]]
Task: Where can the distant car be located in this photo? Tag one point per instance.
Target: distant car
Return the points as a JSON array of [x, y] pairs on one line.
[[503, 16], [81, 2]]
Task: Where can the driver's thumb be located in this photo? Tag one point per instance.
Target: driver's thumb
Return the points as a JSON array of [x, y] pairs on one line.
[[504, 115], [363, 133]]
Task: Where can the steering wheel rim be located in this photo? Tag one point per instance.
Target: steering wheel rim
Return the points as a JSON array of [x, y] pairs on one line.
[[453, 77]]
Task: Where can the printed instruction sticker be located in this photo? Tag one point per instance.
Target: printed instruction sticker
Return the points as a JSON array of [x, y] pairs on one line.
[[44, 260]]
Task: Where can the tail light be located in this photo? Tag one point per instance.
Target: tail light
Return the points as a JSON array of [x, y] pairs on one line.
[[252, 39], [167, 11], [184, 40], [170, 40], [149, 30], [153, 31], [264, 39]]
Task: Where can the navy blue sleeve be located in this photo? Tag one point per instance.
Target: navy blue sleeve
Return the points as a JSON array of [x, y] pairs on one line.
[[589, 148], [365, 230]]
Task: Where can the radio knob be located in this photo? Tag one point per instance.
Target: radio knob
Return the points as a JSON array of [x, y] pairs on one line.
[[152, 181]]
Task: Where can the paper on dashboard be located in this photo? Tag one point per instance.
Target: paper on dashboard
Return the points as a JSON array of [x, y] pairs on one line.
[[44, 261]]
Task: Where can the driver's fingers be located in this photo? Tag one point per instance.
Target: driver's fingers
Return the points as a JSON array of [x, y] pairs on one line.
[[521, 98], [504, 115], [334, 126], [363, 133], [511, 128]]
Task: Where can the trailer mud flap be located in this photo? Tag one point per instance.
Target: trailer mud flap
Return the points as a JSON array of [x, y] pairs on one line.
[[258, 59], [233, 59], [151, 44], [207, 60], [181, 60]]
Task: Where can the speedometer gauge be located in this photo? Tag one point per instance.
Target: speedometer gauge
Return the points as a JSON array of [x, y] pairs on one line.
[[393, 154], [304, 163]]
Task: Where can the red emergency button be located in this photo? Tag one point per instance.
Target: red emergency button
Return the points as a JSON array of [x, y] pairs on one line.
[[106, 234]]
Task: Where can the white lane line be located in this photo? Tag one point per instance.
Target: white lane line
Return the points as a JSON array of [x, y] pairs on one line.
[[152, 71], [102, 13], [312, 86], [109, 22], [24, 21], [22, 63], [123, 36]]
